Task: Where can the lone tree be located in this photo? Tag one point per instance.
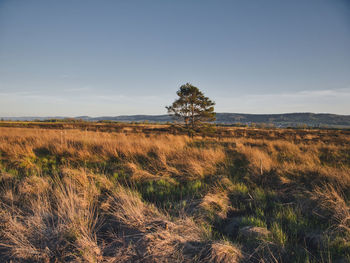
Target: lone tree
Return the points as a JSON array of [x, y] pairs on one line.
[[193, 108]]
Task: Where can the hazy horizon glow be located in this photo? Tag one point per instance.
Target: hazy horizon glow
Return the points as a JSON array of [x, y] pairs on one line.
[[107, 58]]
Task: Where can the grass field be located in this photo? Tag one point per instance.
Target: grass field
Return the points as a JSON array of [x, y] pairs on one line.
[[131, 194]]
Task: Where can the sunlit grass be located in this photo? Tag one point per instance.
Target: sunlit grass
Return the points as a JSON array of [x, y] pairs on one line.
[[82, 194]]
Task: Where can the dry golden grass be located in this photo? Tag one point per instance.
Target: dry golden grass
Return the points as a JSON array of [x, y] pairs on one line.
[[84, 196], [335, 205], [60, 217], [216, 204], [59, 222], [62, 223], [164, 154]]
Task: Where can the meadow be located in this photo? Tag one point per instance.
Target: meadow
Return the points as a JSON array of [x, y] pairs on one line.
[[146, 194]]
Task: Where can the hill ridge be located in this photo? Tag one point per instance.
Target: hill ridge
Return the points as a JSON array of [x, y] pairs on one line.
[[277, 119]]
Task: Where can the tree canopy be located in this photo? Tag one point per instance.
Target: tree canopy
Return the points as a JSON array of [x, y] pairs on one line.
[[192, 107]]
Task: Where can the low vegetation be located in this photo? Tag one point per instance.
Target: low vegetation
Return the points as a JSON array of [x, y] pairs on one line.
[[244, 195]]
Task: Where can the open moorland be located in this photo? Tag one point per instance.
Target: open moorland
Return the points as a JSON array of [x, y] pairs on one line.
[[139, 193]]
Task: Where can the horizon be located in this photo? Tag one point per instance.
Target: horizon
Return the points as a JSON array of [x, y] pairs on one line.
[[126, 115], [114, 58]]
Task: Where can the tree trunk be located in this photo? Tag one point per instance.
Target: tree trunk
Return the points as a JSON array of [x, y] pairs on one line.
[[192, 115]]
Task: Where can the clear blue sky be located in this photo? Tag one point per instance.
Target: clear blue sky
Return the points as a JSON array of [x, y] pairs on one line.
[[80, 57]]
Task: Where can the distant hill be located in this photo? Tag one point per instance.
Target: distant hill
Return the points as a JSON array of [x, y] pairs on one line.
[[279, 120], [287, 119]]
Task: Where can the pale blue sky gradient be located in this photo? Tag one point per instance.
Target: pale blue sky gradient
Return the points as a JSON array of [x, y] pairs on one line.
[[80, 57]]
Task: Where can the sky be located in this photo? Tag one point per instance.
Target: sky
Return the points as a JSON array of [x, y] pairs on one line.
[[121, 57]]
